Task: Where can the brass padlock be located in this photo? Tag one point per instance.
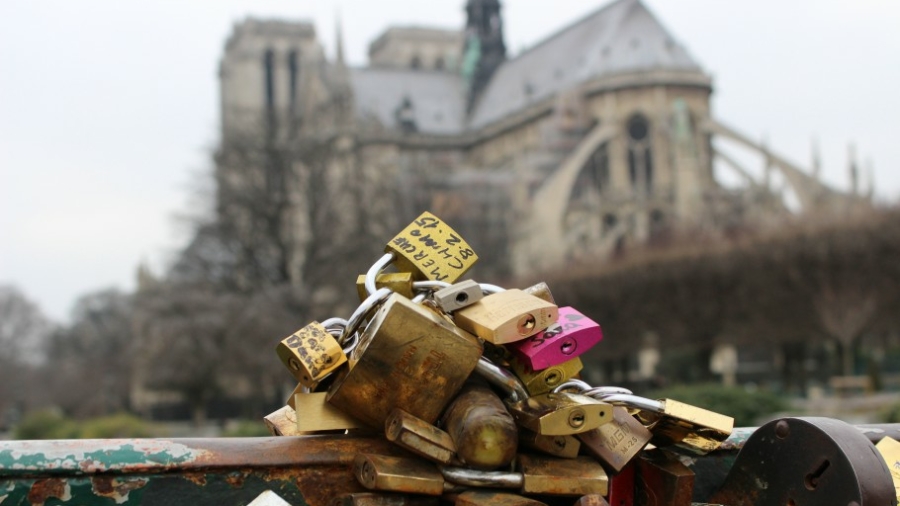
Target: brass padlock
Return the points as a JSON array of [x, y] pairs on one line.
[[316, 415], [419, 437], [407, 358], [485, 434], [459, 295], [889, 449], [430, 249], [398, 474], [400, 282], [507, 316], [564, 447], [543, 381], [676, 423], [282, 422], [538, 475], [560, 414], [310, 354], [616, 443]]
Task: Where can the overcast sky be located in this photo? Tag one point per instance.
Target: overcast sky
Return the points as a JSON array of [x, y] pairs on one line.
[[108, 109]]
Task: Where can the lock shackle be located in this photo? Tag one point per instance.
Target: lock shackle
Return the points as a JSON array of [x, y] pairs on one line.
[[634, 401], [376, 268], [364, 311], [488, 288], [475, 478], [601, 393], [420, 298], [576, 385], [503, 379], [428, 286], [335, 322]]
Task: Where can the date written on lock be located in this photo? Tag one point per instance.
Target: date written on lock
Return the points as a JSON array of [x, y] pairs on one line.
[[310, 354], [571, 335], [430, 249]]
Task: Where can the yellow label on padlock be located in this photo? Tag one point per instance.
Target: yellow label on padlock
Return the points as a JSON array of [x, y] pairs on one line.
[[430, 249], [889, 449]]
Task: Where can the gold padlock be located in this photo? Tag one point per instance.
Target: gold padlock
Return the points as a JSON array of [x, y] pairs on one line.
[[507, 316], [551, 476], [430, 249], [315, 415], [541, 291], [540, 382], [560, 414], [564, 447], [419, 437], [398, 474], [400, 282], [310, 354], [690, 427], [889, 449], [482, 497], [407, 358]]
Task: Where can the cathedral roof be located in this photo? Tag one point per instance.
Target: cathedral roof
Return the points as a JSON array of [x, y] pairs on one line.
[[623, 36], [437, 98]]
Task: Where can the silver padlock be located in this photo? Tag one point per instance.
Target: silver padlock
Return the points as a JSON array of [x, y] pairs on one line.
[[459, 295]]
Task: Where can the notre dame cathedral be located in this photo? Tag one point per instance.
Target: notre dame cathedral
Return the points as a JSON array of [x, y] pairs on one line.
[[598, 136]]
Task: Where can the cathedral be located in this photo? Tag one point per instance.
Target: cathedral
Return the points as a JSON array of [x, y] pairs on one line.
[[599, 136]]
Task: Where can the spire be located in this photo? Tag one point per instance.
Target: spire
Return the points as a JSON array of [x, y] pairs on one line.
[[339, 35], [853, 169], [767, 163], [484, 48], [816, 160], [870, 179]]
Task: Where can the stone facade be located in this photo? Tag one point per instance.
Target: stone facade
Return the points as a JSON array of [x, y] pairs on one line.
[[596, 137]]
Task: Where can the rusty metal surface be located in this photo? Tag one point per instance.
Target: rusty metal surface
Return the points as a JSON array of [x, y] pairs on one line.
[[807, 461], [308, 470]]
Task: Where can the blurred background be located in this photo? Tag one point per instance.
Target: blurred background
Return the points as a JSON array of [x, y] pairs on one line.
[[184, 185]]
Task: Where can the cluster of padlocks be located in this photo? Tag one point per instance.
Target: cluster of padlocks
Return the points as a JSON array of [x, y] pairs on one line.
[[481, 384]]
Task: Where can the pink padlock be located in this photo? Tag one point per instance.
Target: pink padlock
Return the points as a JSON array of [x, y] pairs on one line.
[[571, 335]]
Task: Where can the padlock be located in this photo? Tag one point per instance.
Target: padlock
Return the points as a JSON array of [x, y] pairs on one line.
[[282, 422], [889, 449], [430, 249], [459, 295], [564, 447], [538, 475], [571, 335], [385, 499], [675, 423], [543, 381], [616, 443], [661, 480], [398, 474], [419, 437], [541, 291], [314, 414], [506, 317], [480, 498], [407, 358], [485, 435], [310, 354], [560, 414], [400, 282]]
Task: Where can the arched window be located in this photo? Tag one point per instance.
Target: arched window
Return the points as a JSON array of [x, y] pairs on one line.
[[269, 69], [640, 154], [594, 175]]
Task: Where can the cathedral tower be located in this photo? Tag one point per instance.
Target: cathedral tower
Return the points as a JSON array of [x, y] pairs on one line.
[[484, 47]]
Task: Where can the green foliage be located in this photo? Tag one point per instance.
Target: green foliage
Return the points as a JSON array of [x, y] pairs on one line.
[[247, 428], [51, 424], [748, 408], [891, 413], [46, 424]]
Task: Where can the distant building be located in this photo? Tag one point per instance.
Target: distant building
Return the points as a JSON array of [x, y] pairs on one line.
[[596, 137]]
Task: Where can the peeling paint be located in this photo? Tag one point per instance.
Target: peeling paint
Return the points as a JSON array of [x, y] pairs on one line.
[[110, 455], [116, 489]]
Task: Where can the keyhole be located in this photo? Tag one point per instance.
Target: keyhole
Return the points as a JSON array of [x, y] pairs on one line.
[[462, 297], [553, 378], [560, 443], [812, 479], [368, 473], [568, 347], [526, 324], [576, 419], [294, 364]]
